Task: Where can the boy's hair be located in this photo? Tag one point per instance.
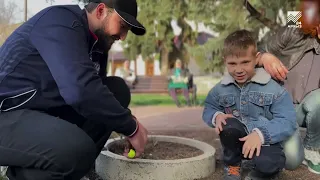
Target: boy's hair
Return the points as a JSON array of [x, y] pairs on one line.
[[237, 43]]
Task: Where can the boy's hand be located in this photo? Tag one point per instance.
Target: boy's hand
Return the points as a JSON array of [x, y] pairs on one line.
[[221, 119], [252, 143]]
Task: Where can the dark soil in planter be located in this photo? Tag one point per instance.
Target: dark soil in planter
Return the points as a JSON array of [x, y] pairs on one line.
[[159, 150]]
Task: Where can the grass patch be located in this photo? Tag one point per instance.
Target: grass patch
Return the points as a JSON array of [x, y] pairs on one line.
[[159, 100]]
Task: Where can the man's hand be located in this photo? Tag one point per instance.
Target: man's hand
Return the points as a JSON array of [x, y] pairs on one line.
[[138, 141], [221, 119], [273, 66], [252, 143]]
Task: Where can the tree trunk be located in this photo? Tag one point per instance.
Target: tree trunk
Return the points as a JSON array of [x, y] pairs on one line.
[[256, 14], [164, 59]]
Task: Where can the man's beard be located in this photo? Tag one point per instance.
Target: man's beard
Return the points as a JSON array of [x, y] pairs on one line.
[[104, 40]]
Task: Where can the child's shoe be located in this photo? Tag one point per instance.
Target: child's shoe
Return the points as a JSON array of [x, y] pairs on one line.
[[232, 172]]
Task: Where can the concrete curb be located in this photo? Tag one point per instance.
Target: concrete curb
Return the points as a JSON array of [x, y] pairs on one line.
[[112, 166]]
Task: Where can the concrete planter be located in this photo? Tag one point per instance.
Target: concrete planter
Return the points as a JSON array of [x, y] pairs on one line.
[[111, 166]]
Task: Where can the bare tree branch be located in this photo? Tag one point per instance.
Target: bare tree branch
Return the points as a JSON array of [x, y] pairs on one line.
[[256, 14], [50, 1], [6, 18]]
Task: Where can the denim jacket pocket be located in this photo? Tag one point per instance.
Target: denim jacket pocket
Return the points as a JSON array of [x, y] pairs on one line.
[[228, 102], [261, 102]]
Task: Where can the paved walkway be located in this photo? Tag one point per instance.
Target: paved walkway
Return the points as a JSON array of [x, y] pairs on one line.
[[144, 112], [170, 118], [187, 122]]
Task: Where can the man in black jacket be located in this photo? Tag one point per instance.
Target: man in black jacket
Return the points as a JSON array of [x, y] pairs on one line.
[[57, 107]]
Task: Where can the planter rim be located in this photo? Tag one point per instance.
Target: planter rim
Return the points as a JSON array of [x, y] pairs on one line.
[[207, 149]]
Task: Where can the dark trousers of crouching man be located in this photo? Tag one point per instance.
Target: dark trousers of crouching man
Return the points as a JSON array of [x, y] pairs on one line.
[[59, 144], [270, 161]]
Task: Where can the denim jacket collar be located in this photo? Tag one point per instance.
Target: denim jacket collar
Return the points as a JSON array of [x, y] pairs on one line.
[[261, 77]]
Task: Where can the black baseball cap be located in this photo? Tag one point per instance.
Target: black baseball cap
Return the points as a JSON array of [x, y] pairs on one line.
[[128, 11]]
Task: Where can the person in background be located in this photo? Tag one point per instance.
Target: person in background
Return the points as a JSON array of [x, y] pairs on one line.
[[178, 79], [127, 74]]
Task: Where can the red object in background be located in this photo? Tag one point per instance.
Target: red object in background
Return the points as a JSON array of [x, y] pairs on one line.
[[310, 16]]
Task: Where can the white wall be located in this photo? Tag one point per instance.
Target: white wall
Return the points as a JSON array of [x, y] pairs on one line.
[[109, 69], [132, 64], [141, 67], [157, 70]]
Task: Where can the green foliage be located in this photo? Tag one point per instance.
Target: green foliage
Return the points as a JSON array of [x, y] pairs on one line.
[[160, 100], [232, 15], [227, 18], [220, 16], [157, 16]]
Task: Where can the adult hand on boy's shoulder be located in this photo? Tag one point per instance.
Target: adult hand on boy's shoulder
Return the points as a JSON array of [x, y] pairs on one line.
[[252, 144], [273, 66], [221, 119]]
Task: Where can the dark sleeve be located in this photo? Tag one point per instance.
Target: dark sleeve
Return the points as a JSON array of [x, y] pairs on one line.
[[103, 60], [281, 39], [62, 43]]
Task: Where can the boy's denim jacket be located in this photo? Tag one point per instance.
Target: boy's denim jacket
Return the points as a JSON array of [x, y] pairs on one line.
[[262, 105]]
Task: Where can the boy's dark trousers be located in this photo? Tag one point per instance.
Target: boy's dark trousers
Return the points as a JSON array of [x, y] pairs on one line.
[[270, 161], [54, 145]]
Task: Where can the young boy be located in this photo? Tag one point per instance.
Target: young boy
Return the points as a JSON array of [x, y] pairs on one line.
[[251, 112]]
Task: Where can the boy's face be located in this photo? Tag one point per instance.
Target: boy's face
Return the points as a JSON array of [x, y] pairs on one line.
[[242, 68]]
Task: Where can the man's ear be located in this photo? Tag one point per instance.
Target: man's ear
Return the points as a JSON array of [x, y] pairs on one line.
[[101, 11]]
